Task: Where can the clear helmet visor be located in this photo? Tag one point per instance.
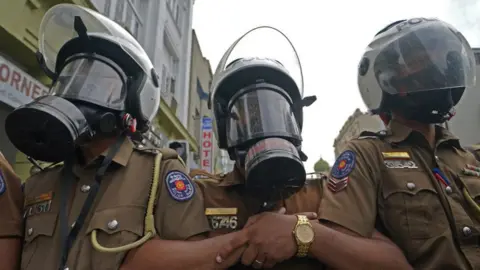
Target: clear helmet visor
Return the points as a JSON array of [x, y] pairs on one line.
[[260, 114], [430, 56], [267, 46], [91, 81], [57, 27]]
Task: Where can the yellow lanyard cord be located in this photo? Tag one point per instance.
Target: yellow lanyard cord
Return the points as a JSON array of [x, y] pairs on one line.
[[149, 230]]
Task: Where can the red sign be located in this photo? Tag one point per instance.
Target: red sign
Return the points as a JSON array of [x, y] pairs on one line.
[[16, 86], [207, 147]]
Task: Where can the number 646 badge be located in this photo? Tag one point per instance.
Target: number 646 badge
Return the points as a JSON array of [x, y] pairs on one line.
[[222, 218]]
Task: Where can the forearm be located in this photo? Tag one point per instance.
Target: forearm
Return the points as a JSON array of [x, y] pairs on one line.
[[173, 255], [10, 253], [343, 251]]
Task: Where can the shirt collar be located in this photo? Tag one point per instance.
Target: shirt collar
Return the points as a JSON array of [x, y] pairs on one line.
[[121, 158], [398, 132], [232, 178]]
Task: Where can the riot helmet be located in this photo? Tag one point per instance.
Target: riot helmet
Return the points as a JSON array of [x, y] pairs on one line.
[[418, 67], [103, 84], [257, 102]]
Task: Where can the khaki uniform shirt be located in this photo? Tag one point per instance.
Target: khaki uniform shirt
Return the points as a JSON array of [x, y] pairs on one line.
[[11, 201], [228, 209], [390, 185], [117, 213]]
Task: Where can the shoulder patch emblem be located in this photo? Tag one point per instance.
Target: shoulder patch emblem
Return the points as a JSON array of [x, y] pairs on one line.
[[3, 185], [344, 165], [179, 186]]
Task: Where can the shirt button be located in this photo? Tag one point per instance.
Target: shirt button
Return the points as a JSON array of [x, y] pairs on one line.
[[113, 224], [30, 231], [449, 190], [410, 186], [467, 231], [85, 188]]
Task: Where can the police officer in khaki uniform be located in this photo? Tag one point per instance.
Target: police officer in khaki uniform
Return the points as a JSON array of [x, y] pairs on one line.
[[413, 182], [109, 196], [257, 104], [11, 224]]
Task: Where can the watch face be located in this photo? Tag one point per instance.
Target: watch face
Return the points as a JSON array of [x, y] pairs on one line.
[[304, 233]]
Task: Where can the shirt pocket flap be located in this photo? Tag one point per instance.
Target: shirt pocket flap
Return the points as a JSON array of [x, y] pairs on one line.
[[40, 225], [118, 219], [473, 186], [408, 183]]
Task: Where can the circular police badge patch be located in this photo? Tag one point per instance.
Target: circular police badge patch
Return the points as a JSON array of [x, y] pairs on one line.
[[344, 165], [3, 186], [179, 186]]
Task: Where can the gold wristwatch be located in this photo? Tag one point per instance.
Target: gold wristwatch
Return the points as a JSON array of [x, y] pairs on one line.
[[304, 235]]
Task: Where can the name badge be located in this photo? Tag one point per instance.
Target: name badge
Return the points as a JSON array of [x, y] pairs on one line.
[[38, 204]]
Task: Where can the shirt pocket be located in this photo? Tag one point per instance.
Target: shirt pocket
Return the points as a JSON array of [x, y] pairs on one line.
[[473, 185], [39, 231], [412, 207], [115, 227]]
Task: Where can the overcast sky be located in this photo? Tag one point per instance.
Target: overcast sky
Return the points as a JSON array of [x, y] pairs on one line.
[[330, 38]]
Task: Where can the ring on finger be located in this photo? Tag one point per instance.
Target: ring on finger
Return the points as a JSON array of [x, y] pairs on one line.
[[257, 263]]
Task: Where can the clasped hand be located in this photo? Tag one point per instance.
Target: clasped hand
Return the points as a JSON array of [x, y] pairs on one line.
[[266, 238]]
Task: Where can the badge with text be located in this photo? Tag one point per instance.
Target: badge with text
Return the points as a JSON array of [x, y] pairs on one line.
[[179, 186], [336, 185], [38, 204], [3, 185], [222, 218], [398, 160], [344, 165]]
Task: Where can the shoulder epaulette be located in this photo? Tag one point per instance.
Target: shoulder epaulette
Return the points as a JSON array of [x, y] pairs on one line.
[[167, 153], [474, 149], [316, 176], [145, 149], [202, 174], [372, 135]]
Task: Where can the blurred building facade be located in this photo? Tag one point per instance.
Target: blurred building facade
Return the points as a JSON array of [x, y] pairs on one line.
[[21, 79], [200, 82], [466, 122], [355, 124], [164, 29]]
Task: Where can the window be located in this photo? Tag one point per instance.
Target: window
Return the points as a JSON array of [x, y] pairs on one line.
[[172, 85], [197, 120], [174, 105], [477, 58], [176, 13], [119, 11], [164, 79], [106, 9], [136, 28], [128, 18]]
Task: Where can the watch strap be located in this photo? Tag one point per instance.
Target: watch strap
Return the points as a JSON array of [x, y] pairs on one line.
[[302, 248]]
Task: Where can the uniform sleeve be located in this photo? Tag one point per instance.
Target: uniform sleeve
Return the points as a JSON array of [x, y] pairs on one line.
[[11, 202], [180, 210], [355, 205]]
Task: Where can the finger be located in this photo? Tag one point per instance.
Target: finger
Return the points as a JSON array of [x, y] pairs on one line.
[[249, 255], [238, 239], [251, 220], [233, 259], [309, 215], [259, 260], [269, 263]]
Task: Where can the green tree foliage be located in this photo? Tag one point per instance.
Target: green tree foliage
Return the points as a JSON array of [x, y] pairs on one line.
[[321, 166]]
